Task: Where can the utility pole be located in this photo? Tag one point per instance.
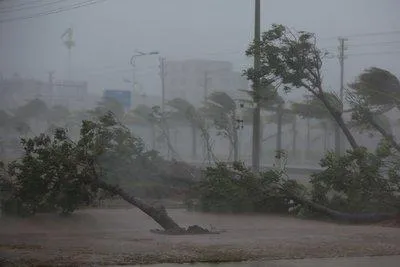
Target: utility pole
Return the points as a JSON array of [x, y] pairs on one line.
[[69, 43], [162, 75], [339, 140], [206, 86], [133, 63], [256, 89], [51, 84]]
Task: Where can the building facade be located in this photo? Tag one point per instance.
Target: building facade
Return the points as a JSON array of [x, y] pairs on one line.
[[192, 80]]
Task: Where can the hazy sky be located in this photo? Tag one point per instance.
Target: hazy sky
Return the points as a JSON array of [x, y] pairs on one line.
[[107, 34]]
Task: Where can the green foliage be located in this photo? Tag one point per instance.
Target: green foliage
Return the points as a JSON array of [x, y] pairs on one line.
[[47, 177], [33, 109], [56, 173], [238, 189], [378, 87], [221, 109], [107, 105], [291, 58], [315, 108], [359, 181]]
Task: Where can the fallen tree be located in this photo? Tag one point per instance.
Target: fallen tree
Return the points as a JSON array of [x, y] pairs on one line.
[[237, 189], [58, 174]]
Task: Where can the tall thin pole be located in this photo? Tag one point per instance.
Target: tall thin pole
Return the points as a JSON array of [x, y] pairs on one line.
[[162, 75], [69, 63], [342, 57], [206, 79], [205, 87], [339, 140], [256, 88], [51, 84]]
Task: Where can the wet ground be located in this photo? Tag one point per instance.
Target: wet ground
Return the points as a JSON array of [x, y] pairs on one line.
[[381, 261], [116, 236]]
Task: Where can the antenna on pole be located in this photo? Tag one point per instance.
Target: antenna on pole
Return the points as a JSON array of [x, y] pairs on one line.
[[69, 42]]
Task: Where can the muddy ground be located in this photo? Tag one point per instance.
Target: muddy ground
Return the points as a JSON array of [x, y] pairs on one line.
[[121, 236]]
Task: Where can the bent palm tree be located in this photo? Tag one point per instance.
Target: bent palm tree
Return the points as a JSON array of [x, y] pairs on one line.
[[221, 109]]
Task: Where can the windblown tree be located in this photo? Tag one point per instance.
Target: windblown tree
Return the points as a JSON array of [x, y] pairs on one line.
[[379, 88], [221, 109], [313, 108], [283, 116], [186, 112], [294, 60], [108, 104], [375, 92], [268, 101], [143, 115], [156, 121], [58, 173]]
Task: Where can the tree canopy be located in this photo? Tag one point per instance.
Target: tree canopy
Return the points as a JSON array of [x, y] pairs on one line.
[[379, 88]]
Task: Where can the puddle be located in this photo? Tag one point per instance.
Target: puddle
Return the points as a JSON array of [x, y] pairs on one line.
[[386, 261]]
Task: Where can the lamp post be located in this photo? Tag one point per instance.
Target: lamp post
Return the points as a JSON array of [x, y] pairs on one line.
[[133, 63]]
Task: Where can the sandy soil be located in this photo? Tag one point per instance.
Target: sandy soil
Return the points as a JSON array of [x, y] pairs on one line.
[[121, 236]]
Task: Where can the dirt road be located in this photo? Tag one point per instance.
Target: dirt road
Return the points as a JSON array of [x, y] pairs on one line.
[[116, 236]]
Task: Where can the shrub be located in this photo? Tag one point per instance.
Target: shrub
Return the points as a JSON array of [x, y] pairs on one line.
[[238, 189], [359, 181]]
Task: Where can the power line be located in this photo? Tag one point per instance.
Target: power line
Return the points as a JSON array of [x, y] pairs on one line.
[[394, 32], [55, 11], [31, 7], [375, 53], [375, 34], [375, 44], [20, 4]]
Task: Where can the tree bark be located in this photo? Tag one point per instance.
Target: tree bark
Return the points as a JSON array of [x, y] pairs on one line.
[[325, 136], [337, 141], [337, 116], [194, 141], [294, 141], [279, 130], [153, 136], [235, 145], [341, 216], [389, 137], [308, 148], [159, 215]]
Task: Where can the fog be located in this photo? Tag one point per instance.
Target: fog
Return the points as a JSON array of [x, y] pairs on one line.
[[164, 81], [107, 34]]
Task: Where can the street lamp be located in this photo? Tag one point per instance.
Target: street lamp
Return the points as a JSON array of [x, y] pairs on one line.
[[133, 63]]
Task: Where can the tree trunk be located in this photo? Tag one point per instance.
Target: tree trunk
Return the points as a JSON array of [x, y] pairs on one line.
[[194, 141], [294, 140], [153, 137], [337, 116], [337, 141], [389, 137], [325, 136], [279, 131], [256, 137], [308, 148], [341, 216], [235, 145], [159, 215]]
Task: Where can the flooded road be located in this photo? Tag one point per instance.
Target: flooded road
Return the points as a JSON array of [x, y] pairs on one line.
[[383, 261], [122, 236]]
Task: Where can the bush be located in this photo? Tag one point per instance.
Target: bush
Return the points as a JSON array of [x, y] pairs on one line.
[[238, 189], [359, 181]]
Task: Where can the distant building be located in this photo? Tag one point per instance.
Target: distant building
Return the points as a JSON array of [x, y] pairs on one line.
[[191, 79], [16, 92], [72, 94], [145, 99]]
